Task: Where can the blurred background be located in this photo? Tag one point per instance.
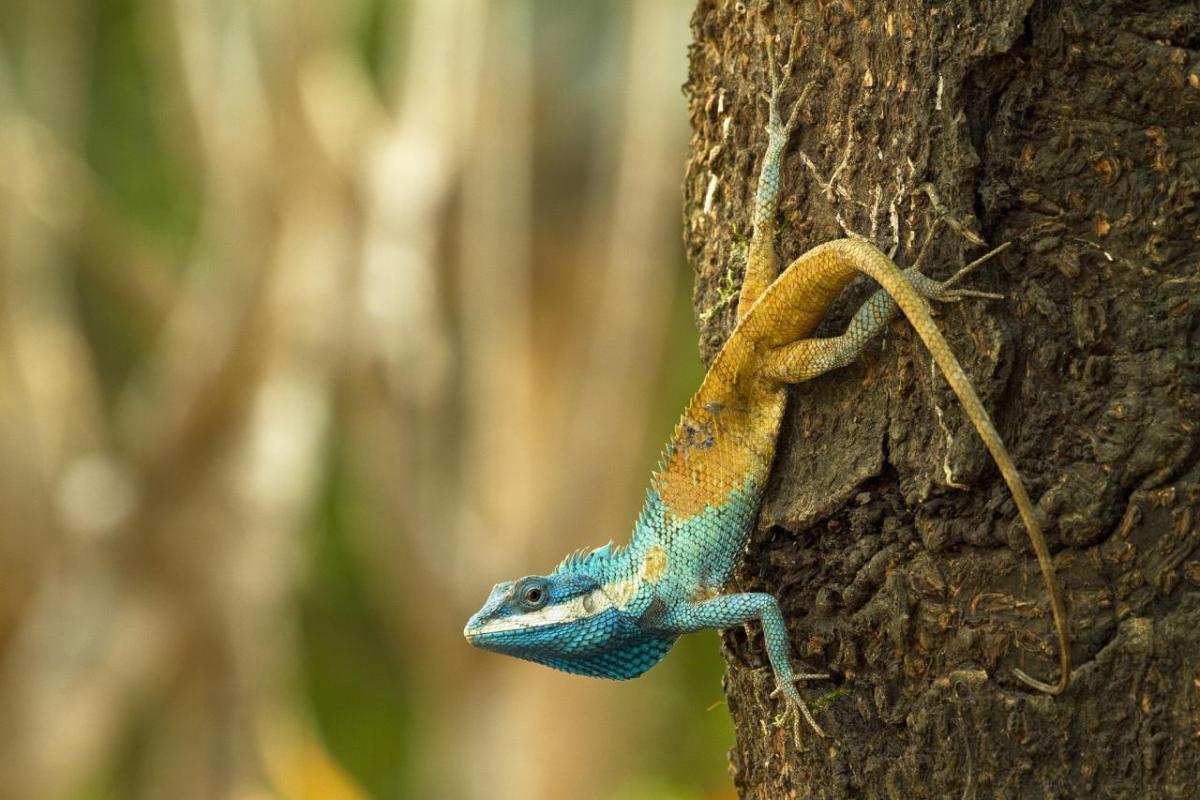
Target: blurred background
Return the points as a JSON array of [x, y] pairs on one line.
[[316, 320]]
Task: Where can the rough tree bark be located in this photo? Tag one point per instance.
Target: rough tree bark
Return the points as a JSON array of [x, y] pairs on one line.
[[1071, 129]]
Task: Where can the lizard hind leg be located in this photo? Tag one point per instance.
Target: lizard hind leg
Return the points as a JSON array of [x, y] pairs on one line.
[[762, 262], [809, 358]]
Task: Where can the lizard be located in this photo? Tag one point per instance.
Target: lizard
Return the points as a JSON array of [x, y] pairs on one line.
[[614, 612]]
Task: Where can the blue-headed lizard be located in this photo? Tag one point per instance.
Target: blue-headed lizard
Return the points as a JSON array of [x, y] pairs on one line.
[[615, 611]]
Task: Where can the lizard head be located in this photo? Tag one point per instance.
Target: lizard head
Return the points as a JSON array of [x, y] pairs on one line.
[[569, 620]]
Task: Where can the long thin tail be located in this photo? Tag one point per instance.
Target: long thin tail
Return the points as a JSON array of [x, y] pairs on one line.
[[824, 270]]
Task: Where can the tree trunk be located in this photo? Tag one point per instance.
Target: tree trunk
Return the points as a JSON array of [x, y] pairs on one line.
[[1072, 130]]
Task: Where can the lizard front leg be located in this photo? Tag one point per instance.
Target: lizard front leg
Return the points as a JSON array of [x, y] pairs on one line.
[[734, 609]]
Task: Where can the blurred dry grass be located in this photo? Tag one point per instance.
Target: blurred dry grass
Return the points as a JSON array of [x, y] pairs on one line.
[[316, 319]]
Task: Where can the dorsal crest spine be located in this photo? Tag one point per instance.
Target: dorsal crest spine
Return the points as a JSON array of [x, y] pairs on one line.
[[582, 560]]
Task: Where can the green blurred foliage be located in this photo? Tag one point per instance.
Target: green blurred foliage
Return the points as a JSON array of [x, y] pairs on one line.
[[357, 684]]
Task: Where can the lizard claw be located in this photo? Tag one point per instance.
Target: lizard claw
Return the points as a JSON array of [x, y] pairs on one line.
[[781, 78], [796, 707], [944, 291], [969, 268], [958, 295]]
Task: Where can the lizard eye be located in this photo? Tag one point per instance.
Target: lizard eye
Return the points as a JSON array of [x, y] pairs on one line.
[[533, 596]]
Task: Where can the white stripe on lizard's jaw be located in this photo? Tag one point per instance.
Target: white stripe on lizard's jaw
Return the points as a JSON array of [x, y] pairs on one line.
[[617, 594], [576, 608]]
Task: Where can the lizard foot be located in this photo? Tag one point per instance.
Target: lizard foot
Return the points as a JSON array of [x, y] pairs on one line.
[[963, 226], [777, 128], [945, 291], [796, 707], [947, 285]]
